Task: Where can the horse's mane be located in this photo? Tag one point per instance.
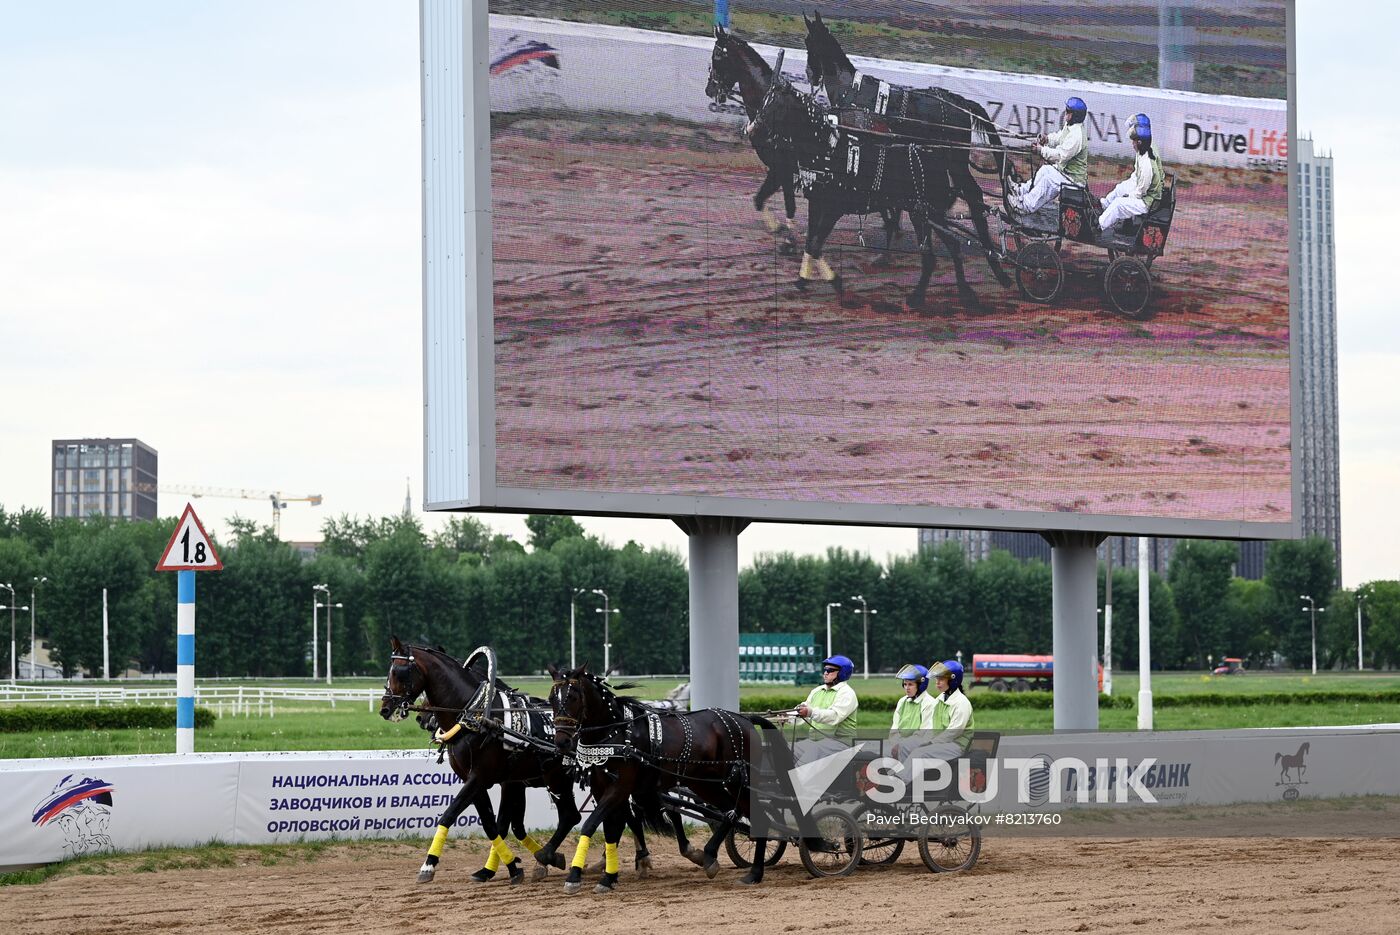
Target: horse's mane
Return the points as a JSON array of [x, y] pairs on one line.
[[752, 55], [819, 29], [457, 663]]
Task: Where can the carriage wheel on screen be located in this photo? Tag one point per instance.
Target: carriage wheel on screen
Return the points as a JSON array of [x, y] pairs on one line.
[[740, 848], [1039, 272], [1128, 285], [946, 849], [880, 852], [839, 843]]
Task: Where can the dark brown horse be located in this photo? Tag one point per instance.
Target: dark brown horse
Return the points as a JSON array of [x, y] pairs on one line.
[[486, 756], [637, 756]]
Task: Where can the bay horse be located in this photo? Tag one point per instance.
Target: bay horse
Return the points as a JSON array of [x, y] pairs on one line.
[[954, 123], [484, 758], [628, 755], [847, 171]]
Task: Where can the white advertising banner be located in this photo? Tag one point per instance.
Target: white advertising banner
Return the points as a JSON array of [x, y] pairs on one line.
[[63, 808], [576, 66]]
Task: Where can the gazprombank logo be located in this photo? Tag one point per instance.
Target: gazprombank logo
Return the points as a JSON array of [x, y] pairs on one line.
[[83, 809]]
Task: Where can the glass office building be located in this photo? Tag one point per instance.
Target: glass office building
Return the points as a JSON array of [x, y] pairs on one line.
[[103, 476]]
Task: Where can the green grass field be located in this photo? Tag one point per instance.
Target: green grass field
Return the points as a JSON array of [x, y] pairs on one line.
[[352, 726]]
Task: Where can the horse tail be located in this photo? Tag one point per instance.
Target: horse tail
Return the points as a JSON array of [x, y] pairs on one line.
[[984, 133], [1277, 757], [647, 811]]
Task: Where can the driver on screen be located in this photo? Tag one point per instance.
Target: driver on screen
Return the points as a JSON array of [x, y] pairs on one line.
[[1066, 155], [831, 711], [1138, 193]]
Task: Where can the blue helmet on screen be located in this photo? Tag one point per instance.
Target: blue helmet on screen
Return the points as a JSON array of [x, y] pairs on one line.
[[950, 669], [1142, 128], [914, 673], [843, 664], [1078, 110]]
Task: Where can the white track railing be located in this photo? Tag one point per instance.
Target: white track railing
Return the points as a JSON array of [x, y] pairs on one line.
[[224, 699]]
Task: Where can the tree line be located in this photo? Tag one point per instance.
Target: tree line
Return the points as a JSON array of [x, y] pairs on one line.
[[467, 585]]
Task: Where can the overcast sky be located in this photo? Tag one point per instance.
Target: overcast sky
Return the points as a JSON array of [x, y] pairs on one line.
[[209, 240]]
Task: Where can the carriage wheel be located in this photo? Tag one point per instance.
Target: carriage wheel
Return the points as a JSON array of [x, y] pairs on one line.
[[950, 849], [880, 852], [1020, 685], [840, 843], [740, 848], [1039, 272], [1128, 285]]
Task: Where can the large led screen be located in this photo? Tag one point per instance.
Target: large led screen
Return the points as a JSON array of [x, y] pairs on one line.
[[1037, 258]]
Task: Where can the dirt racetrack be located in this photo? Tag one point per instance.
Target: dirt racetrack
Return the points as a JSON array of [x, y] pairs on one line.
[[1249, 885]]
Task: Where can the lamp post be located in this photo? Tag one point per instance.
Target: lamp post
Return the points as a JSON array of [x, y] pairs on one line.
[[1360, 665], [315, 632], [865, 611], [327, 605], [828, 625], [1313, 610], [12, 608], [573, 599], [607, 611], [33, 603]]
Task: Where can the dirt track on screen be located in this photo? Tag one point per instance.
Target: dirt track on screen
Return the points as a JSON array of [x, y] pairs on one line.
[[649, 336], [1261, 886]]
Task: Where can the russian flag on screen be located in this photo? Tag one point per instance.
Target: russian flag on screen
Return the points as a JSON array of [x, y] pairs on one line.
[[68, 793], [531, 51]]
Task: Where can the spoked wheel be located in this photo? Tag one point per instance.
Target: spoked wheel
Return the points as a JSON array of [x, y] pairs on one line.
[[1128, 285], [880, 852], [1039, 272], [740, 848], [949, 848], [838, 843]]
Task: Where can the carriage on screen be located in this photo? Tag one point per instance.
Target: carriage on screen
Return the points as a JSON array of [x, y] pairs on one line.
[[871, 148]]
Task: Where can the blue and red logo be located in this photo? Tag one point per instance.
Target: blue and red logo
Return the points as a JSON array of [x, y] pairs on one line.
[[82, 809], [519, 53], [70, 794]]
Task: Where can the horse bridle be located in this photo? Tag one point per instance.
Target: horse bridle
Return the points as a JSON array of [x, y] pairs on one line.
[[562, 722]]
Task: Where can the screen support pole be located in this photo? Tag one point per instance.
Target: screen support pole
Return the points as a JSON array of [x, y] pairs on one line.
[[1074, 570], [714, 610]]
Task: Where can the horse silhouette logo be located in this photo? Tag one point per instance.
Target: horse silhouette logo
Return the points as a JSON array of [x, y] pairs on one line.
[[1292, 768], [82, 808]]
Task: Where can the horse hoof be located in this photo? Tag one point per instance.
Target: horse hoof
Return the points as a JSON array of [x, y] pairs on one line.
[[597, 866], [748, 880], [540, 872], [426, 875], [712, 869], [696, 856], [787, 248], [602, 888], [643, 867], [481, 876], [573, 889], [801, 284], [557, 861]]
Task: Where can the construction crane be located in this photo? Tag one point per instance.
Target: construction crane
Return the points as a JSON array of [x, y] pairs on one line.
[[278, 500]]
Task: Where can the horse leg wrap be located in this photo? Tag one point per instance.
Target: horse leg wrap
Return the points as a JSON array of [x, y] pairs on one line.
[[493, 858], [503, 853], [530, 844], [439, 839], [610, 852], [815, 267], [769, 221], [581, 852]]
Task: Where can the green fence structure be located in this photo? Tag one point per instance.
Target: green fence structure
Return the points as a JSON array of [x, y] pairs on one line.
[[779, 658]]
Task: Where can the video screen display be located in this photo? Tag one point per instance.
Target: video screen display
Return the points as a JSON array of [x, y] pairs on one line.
[[1016, 255]]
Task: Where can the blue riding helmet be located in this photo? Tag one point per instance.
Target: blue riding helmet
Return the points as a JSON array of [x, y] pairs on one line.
[[1076, 106], [914, 672], [841, 662], [1142, 128], [950, 669]]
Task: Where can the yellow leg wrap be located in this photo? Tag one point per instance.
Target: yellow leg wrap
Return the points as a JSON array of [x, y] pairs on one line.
[[806, 270], [581, 852], [439, 839], [493, 858], [824, 269], [610, 858], [770, 221], [531, 844], [503, 851]]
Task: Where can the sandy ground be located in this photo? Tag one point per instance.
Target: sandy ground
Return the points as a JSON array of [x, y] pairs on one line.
[[1252, 885], [649, 337]]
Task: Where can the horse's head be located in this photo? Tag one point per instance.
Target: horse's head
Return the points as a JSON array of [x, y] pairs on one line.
[[724, 71], [578, 703], [826, 60], [406, 681]]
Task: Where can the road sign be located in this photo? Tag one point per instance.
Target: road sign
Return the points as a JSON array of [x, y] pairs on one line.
[[189, 548]]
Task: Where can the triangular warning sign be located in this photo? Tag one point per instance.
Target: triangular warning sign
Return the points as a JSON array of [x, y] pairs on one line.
[[189, 549]]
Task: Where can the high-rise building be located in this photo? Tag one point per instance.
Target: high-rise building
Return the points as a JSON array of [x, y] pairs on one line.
[[103, 476], [978, 544]]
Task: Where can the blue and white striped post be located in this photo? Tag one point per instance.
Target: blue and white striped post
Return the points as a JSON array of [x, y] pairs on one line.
[[184, 661]]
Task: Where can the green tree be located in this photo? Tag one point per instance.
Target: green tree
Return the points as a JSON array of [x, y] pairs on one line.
[[1380, 617], [1200, 574], [546, 529], [1294, 567]]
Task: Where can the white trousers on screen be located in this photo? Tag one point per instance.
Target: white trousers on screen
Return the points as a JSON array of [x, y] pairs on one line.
[[1045, 187], [805, 751], [1120, 205]]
